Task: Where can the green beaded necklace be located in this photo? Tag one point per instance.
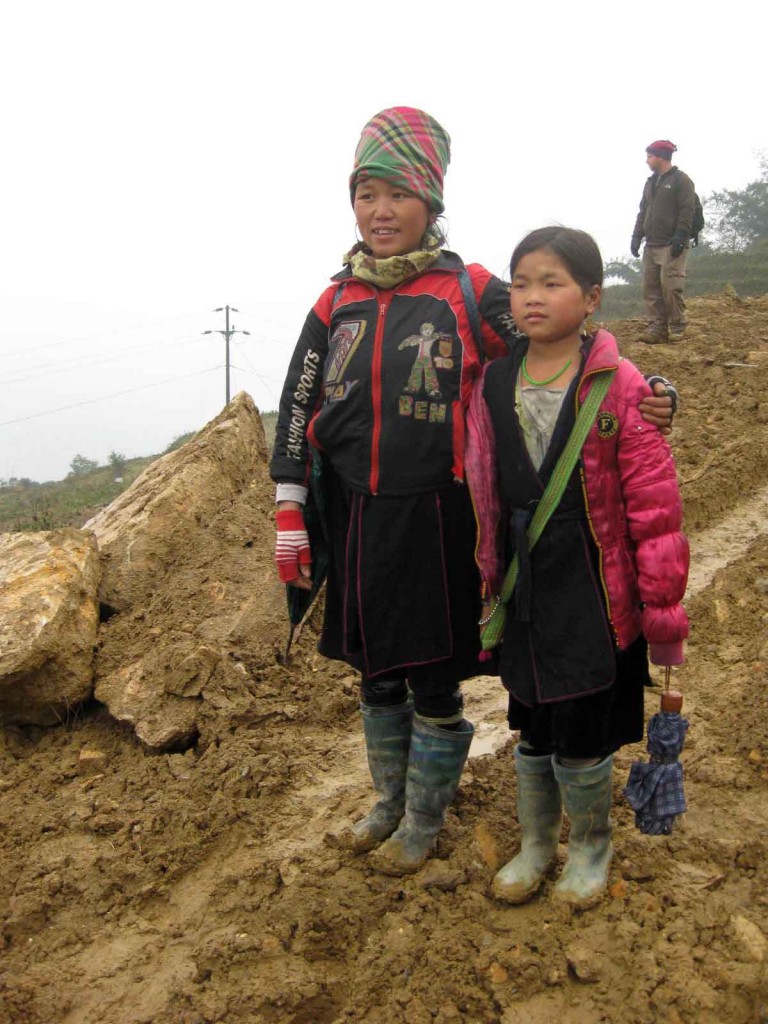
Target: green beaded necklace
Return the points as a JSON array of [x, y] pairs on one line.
[[541, 383]]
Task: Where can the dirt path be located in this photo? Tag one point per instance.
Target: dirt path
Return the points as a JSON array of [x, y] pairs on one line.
[[726, 541]]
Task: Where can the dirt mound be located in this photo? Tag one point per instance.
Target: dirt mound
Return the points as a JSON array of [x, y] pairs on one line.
[[204, 885]]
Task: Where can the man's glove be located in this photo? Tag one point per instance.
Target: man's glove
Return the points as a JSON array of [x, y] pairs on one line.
[[634, 247], [676, 249], [669, 389], [291, 545]]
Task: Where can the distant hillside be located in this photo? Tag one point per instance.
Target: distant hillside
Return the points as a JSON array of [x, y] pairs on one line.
[[708, 273], [27, 505], [32, 506]]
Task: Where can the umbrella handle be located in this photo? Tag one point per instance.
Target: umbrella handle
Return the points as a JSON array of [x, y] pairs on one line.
[[671, 700], [292, 630]]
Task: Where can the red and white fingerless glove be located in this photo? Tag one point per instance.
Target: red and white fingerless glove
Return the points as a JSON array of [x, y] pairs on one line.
[[291, 545]]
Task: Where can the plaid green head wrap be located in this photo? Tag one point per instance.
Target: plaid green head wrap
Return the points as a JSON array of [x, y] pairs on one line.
[[407, 147]]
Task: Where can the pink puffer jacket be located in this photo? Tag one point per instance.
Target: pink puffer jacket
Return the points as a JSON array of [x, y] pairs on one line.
[[633, 503]]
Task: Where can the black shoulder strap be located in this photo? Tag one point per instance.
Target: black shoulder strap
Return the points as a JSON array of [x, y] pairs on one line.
[[473, 313]]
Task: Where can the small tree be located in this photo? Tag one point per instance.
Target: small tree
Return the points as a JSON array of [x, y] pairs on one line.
[[737, 218], [117, 461], [629, 271], [80, 466]]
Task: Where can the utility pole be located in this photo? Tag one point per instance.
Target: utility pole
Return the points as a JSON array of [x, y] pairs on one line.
[[227, 334]]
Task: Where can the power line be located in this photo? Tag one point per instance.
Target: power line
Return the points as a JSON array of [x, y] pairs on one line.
[[102, 398], [88, 361], [259, 376], [96, 334], [277, 330]]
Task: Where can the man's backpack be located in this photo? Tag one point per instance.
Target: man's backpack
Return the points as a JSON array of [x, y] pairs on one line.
[[697, 225]]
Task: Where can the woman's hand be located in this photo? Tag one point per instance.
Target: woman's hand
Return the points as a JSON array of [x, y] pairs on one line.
[[293, 556]]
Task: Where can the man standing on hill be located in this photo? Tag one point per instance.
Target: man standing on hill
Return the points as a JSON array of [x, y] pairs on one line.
[[664, 220]]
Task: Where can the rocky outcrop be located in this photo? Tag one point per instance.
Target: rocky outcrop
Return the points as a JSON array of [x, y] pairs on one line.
[[165, 512], [49, 617], [193, 613], [187, 555]]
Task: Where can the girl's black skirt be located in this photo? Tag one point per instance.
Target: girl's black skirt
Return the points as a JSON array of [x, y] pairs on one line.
[[593, 725]]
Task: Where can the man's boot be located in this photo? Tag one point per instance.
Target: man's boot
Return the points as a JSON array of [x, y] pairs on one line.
[[539, 811], [434, 768], [656, 334], [387, 740], [586, 795]]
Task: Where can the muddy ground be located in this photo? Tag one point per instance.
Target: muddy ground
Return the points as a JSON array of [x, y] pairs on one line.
[[205, 885]]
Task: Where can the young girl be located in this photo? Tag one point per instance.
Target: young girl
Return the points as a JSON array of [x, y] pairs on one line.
[[604, 580]]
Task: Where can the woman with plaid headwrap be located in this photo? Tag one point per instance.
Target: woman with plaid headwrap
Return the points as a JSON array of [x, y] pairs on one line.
[[377, 389]]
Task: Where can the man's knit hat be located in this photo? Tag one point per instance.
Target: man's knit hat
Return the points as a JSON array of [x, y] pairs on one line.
[[663, 148], [407, 147]]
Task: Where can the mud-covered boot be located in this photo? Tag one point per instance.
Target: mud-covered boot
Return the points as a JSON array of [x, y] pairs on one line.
[[539, 811], [586, 794], [387, 740], [434, 768], [655, 335]]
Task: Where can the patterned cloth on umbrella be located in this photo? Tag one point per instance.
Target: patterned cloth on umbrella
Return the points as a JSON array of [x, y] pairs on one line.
[[407, 147], [654, 791]]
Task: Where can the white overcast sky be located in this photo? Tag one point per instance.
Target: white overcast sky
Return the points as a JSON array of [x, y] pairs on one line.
[[164, 158]]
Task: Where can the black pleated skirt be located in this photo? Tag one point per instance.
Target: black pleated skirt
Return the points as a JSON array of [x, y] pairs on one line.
[[403, 590], [593, 725]]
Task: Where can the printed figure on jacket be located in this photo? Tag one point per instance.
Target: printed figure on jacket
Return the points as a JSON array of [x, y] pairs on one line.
[[377, 389], [601, 587], [423, 371]]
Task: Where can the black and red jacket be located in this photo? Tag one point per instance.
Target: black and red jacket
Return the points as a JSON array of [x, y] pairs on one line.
[[380, 379]]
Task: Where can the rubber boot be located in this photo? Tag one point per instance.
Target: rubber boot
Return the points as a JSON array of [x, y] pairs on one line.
[[586, 795], [434, 768], [539, 811], [387, 734]]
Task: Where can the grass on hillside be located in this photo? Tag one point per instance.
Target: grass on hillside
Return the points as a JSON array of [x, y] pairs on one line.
[[71, 502]]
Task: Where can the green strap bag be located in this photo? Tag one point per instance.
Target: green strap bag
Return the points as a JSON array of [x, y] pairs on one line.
[[561, 474]]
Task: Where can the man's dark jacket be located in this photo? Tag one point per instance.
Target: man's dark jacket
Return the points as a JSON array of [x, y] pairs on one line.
[[666, 209]]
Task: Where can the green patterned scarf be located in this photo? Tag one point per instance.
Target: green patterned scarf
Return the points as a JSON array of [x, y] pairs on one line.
[[389, 272]]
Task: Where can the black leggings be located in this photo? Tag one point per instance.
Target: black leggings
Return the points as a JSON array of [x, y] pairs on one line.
[[433, 698]]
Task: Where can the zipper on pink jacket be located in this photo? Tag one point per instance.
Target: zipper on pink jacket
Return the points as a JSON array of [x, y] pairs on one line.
[[598, 545]]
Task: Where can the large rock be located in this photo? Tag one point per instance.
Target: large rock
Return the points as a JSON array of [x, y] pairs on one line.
[[186, 549], [49, 616], [135, 694], [163, 514]]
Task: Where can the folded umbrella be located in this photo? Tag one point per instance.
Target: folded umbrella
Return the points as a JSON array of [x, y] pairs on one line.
[[654, 789]]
